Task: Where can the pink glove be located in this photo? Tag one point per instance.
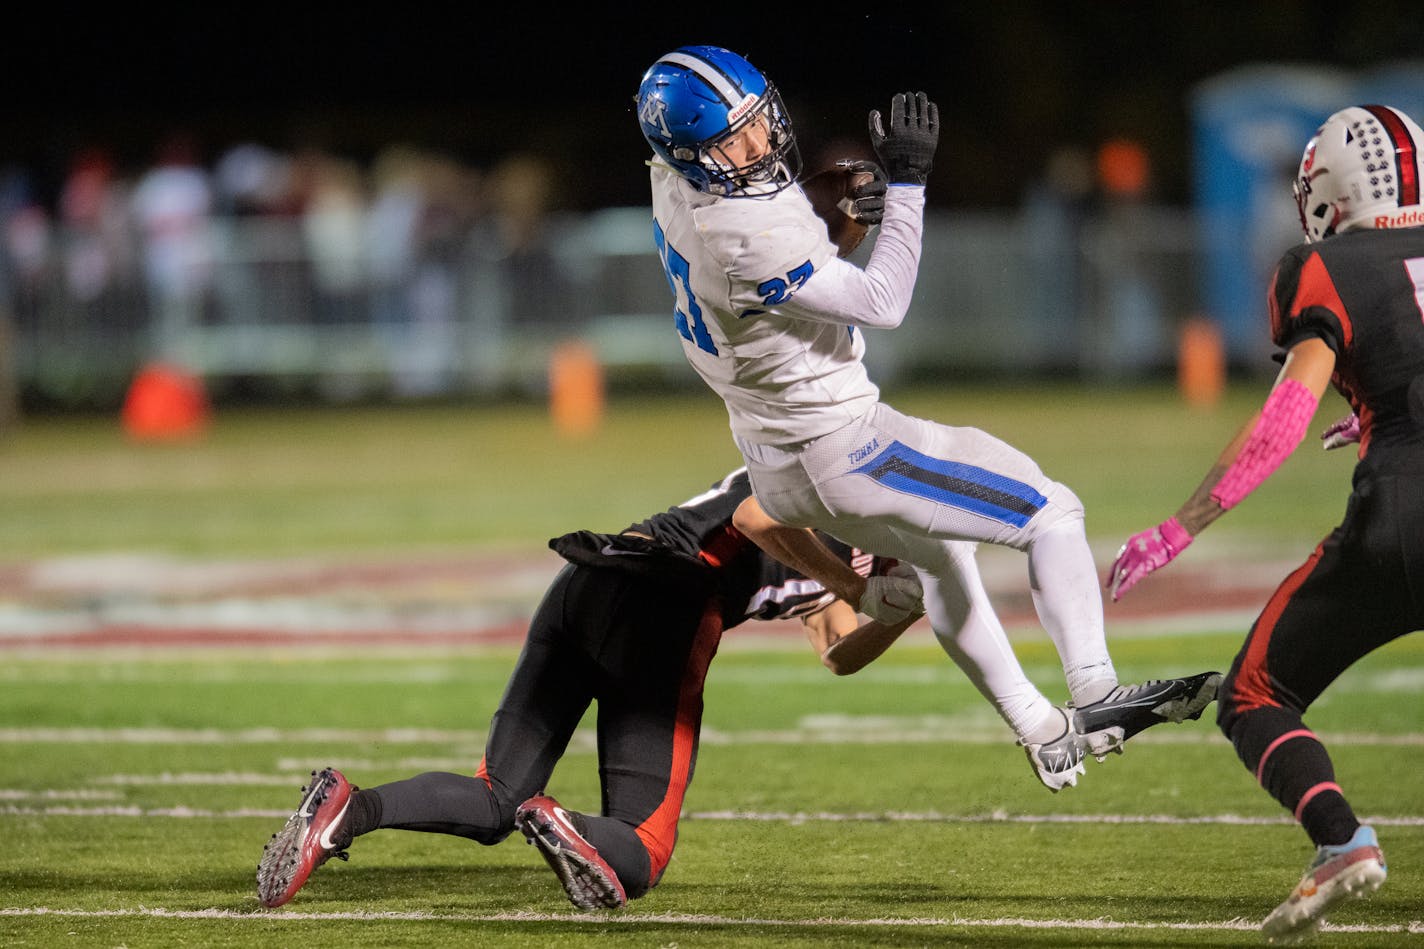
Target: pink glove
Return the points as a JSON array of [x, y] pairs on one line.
[[1145, 552], [1342, 433]]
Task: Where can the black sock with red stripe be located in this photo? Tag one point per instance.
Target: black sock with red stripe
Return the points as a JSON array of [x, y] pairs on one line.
[[1291, 764]]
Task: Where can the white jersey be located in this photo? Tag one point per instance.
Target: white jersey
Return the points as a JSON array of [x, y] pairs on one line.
[[767, 311]]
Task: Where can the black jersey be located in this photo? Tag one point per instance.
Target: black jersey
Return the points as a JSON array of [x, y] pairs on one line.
[[1362, 292], [695, 544]]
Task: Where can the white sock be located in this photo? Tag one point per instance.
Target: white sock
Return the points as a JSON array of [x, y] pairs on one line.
[[1064, 582], [1049, 728], [969, 631]]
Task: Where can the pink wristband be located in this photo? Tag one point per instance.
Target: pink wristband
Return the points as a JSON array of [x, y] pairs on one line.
[[1284, 419], [1174, 535]]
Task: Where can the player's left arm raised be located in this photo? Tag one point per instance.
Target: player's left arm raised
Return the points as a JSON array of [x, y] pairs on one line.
[[1257, 450]]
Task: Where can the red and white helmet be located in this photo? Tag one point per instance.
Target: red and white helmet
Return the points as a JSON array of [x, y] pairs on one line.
[[1360, 170]]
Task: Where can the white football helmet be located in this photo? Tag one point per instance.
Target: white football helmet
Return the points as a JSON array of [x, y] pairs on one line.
[[1360, 170]]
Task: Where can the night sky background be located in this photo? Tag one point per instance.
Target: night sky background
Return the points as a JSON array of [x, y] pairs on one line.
[[1013, 78]]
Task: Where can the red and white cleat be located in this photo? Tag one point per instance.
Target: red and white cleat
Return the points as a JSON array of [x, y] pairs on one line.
[[312, 836], [587, 878]]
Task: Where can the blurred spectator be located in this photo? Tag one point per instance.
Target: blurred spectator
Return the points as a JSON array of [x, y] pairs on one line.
[[1131, 337], [172, 204], [100, 266], [1055, 207], [257, 202], [14, 195], [539, 292], [397, 201], [28, 239], [251, 179], [422, 210], [334, 230]]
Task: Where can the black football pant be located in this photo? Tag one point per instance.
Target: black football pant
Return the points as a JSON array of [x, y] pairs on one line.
[[640, 649], [1361, 588]]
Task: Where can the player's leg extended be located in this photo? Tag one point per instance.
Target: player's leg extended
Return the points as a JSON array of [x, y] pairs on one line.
[[649, 718], [648, 732], [965, 624], [969, 631], [1323, 618], [544, 699], [546, 696], [962, 483], [967, 628]]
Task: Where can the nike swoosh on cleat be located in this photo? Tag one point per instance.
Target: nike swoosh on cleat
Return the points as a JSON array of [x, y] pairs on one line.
[[1139, 703], [325, 839], [562, 816]]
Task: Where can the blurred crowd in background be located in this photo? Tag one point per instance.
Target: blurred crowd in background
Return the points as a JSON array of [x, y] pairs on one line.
[[259, 236], [418, 274], [413, 272]]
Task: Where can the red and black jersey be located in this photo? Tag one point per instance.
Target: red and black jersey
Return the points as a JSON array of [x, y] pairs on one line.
[[1362, 292], [695, 544]]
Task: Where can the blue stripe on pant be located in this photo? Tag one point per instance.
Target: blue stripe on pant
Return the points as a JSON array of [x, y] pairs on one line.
[[967, 487]]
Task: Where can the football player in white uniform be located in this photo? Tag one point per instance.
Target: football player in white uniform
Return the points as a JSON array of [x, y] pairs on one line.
[[770, 317]]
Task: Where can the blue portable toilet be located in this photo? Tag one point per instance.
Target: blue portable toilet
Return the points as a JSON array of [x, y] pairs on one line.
[[1250, 127]]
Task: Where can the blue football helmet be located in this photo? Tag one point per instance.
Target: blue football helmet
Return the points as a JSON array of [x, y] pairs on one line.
[[695, 98]]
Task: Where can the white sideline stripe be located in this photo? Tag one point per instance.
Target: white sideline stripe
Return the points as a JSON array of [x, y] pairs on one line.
[[7, 794], [213, 778], [840, 730], [687, 919], [791, 817]]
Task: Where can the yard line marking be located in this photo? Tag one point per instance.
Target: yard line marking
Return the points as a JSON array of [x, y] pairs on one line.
[[217, 778], [58, 795], [833, 729], [791, 817], [630, 918]]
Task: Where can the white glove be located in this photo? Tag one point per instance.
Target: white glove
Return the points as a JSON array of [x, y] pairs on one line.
[[894, 597]]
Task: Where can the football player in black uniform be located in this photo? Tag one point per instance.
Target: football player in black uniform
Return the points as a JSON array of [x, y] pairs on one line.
[[631, 621], [1346, 308]]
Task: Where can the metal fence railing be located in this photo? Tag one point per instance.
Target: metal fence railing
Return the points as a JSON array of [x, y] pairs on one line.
[[265, 305]]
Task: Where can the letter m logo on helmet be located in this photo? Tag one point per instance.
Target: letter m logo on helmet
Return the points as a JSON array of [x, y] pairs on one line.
[[652, 112]]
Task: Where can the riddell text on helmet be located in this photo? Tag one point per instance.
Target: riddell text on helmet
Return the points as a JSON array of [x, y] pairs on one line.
[[1402, 219]]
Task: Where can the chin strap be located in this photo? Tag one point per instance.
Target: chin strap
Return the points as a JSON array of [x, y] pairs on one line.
[[1281, 427]]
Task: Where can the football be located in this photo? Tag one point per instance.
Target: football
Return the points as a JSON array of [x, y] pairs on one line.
[[829, 192]]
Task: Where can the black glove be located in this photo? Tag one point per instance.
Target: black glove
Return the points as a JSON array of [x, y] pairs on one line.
[[907, 147], [867, 201]]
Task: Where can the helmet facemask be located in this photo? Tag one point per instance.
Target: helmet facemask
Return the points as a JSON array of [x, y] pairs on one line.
[[716, 120], [766, 126]]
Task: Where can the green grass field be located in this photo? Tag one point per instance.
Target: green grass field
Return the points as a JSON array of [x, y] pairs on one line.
[[297, 481], [890, 808]]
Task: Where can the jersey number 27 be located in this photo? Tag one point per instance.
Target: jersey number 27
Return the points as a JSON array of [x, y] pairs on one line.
[[679, 275]]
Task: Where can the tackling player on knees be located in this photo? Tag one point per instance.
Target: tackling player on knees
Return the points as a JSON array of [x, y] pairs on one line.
[[631, 622]]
